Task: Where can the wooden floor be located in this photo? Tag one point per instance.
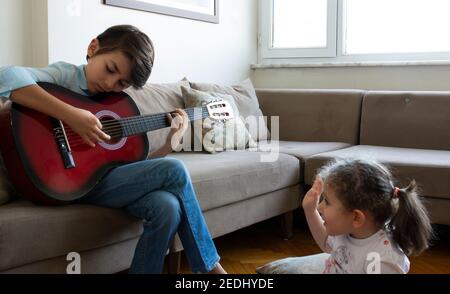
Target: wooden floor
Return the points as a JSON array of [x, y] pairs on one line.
[[243, 251]]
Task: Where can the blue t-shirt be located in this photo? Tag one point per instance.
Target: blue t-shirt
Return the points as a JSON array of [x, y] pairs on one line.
[[61, 73]]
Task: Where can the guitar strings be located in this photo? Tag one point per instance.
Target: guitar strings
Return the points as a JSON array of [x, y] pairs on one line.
[[112, 125], [115, 127], [134, 121], [76, 140], [157, 116], [118, 125], [114, 134]]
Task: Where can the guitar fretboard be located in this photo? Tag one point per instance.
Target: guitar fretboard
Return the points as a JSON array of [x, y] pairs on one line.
[[142, 124]]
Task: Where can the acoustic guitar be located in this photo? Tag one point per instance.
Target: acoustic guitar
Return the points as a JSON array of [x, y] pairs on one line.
[[49, 164]]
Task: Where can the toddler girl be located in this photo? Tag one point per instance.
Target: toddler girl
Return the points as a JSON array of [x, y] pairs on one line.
[[365, 222]]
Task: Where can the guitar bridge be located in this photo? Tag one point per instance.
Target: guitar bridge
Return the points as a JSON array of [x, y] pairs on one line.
[[63, 144]]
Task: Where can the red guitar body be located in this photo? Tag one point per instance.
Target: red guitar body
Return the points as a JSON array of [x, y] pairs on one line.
[[33, 157]]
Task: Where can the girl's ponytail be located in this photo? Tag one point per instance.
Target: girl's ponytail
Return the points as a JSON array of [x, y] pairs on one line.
[[410, 226]]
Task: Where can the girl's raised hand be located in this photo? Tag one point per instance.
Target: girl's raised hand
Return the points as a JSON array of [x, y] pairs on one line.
[[312, 197]]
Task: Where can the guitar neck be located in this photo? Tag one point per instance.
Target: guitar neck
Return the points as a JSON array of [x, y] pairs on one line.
[[143, 124]]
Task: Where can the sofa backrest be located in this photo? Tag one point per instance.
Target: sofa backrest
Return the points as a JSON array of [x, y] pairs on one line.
[[314, 115], [406, 119]]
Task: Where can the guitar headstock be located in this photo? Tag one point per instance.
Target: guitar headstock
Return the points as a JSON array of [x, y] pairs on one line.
[[220, 110]]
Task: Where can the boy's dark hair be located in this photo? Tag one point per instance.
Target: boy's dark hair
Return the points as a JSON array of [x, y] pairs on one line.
[[136, 45], [368, 186]]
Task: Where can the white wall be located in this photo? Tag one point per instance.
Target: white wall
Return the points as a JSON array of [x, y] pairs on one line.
[[39, 33], [201, 51], [420, 78], [23, 31], [36, 32], [15, 31]]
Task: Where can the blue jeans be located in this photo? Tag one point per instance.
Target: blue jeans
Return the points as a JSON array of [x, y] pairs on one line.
[[159, 191]]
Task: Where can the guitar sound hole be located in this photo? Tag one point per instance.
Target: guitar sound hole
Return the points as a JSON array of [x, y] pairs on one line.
[[113, 128]]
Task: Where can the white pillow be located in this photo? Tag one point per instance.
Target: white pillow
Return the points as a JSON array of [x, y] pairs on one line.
[[311, 264], [246, 100], [231, 135]]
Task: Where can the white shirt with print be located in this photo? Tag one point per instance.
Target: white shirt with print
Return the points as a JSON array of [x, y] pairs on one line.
[[376, 254]]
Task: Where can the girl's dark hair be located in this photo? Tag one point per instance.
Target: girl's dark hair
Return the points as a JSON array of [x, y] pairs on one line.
[[368, 186], [136, 45]]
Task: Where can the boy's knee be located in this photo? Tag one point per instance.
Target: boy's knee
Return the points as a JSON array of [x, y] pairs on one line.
[[175, 163], [170, 208], [176, 167]]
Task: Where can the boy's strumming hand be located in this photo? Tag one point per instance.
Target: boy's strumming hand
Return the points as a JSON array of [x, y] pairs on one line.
[[87, 125], [81, 121], [312, 197]]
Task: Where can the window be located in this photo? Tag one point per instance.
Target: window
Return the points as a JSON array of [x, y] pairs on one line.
[[397, 26], [299, 28], [300, 24], [354, 30]]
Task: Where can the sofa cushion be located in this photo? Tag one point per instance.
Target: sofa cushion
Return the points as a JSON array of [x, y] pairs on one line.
[[314, 115], [30, 233], [406, 119], [158, 98], [246, 100], [228, 177], [430, 168], [303, 150]]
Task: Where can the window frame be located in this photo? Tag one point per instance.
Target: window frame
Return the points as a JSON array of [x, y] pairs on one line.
[[274, 56], [266, 12]]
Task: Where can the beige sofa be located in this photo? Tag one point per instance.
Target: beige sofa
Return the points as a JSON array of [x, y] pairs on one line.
[[236, 189], [408, 131]]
